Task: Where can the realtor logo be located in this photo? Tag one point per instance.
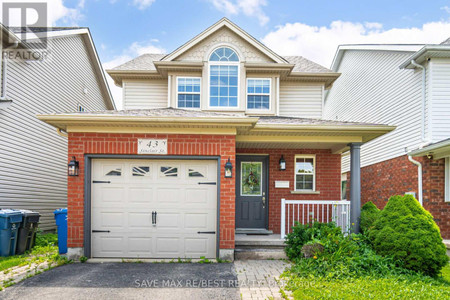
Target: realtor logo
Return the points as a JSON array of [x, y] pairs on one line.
[[26, 21]]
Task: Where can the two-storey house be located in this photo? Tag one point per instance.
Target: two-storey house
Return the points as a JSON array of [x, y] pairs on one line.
[[212, 137], [408, 86], [63, 74]]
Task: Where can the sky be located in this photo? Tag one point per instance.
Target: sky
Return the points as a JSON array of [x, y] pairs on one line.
[[125, 29]]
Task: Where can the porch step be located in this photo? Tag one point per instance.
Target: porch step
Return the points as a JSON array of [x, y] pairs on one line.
[[250, 254], [259, 247], [255, 231]]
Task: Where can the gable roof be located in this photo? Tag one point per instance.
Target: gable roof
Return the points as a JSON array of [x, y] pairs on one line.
[[304, 65], [56, 32], [371, 47], [446, 42], [144, 62], [224, 22]]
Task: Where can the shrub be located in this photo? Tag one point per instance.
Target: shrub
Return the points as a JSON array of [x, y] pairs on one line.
[[369, 214], [345, 257], [302, 234], [407, 232]]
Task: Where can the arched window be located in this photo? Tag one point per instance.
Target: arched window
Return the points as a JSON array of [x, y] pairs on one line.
[[223, 54], [223, 78]]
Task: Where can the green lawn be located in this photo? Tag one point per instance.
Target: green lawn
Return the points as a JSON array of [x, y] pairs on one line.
[[394, 287], [46, 249]]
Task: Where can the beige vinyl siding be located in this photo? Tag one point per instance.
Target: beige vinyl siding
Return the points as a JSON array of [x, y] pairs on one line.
[[439, 98], [373, 89], [145, 94], [33, 158], [300, 100]]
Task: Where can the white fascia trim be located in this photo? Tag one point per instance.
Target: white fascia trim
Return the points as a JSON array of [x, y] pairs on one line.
[[442, 145], [421, 52], [59, 33], [375, 47]]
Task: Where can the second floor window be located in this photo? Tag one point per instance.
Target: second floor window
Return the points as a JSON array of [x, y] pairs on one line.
[[258, 93], [188, 92], [223, 78]]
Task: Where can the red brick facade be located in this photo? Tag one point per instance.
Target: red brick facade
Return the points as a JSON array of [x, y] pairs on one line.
[[109, 143], [398, 176], [328, 178], [327, 174]]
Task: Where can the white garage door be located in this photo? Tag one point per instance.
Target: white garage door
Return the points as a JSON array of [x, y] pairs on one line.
[[183, 193]]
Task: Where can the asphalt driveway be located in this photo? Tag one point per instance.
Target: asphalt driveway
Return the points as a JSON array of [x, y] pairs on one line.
[[130, 280]]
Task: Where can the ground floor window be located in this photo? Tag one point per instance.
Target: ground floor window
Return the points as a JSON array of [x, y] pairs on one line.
[[305, 173]]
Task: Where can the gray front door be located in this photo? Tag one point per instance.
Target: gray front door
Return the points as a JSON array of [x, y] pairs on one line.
[[251, 191]]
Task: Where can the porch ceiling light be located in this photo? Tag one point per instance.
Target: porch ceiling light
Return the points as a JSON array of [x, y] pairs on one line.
[[73, 167], [228, 169], [282, 163]]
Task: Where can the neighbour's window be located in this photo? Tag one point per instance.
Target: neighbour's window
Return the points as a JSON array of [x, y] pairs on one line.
[[305, 173], [188, 92], [258, 93], [223, 78]]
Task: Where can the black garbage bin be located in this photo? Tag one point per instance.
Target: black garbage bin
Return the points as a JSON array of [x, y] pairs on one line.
[[27, 231]]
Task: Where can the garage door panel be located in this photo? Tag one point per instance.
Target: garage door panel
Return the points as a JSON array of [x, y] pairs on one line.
[[140, 220], [171, 221], [196, 221], [109, 194], [143, 195], [109, 245], [125, 206], [140, 246], [197, 247], [168, 247], [111, 220], [167, 195]]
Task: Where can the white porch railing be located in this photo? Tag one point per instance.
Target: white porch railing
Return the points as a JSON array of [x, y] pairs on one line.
[[308, 211]]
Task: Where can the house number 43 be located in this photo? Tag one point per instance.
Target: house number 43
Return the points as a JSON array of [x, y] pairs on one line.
[[152, 146]]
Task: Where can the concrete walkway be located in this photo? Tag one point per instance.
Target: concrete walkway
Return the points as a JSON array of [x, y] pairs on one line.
[[258, 279]]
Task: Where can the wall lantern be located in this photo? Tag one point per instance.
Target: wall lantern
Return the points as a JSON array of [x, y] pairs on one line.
[[282, 163], [228, 169], [73, 167]]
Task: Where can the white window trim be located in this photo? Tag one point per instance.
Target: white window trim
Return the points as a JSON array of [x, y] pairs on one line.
[[258, 94], [313, 156], [447, 179], [224, 63], [190, 93]]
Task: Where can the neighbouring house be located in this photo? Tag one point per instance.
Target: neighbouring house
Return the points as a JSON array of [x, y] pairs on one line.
[[409, 86], [33, 172], [212, 137]]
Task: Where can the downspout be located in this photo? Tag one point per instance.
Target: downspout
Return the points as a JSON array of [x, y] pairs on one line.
[[424, 78], [418, 164], [419, 177], [4, 69]]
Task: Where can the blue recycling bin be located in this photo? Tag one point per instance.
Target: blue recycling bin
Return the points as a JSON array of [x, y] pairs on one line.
[[9, 224], [61, 224]]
